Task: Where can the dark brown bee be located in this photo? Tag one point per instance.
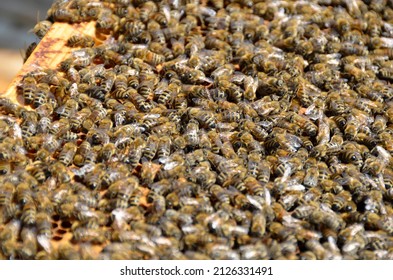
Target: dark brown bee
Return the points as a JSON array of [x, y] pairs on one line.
[[30, 49]]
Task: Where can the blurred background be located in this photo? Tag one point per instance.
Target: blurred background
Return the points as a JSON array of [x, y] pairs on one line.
[[17, 18]]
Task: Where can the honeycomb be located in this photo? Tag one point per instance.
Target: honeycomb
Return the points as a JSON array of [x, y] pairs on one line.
[[240, 129]]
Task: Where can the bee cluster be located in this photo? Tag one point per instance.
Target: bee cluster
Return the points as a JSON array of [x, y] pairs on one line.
[[236, 129]]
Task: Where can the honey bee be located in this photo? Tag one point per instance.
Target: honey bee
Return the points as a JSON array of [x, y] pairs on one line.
[[146, 9], [29, 244], [151, 57], [206, 118], [37, 170], [81, 58], [156, 32], [258, 224], [67, 153], [203, 176], [351, 155], [340, 201], [311, 178], [68, 252], [191, 133], [41, 28], [29, 87], [29, 213], [43, 223], [139, 100], [135, 198], [10, 211], [78, 40], [177, 46], [5, 167], [78, 118], [168, 94], [160, 17], [30, 49], [135, 152]]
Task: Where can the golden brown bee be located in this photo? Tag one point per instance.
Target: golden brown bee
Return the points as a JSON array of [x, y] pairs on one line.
[[5, 167], [168, 94], [79, 40], [78, 118], [7, 193], [41, 28], [29, 87], [177, 46], [67, 153], [9, 248], [340, 201], [258, 224], [37, 169], [29, 213], [206, 118], [140, 101], [351, 155], [44, 226], [146, 9], [107, 151], [191, 133], [145, 88], [160, 18], [135, 198], [150, 57], [29, 248], [135, 153], [41, 95], [351, 129], [311, 178]]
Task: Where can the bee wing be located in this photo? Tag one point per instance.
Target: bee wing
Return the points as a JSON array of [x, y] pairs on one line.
[[60, 110], [166, 10], [221, 71], [238, 78], [383, 155], [206, 80], [257, 204], [120, 217], [326, 208], [290, 221], [83, 170], [313, 112], [386, 42], [74, 90], [323, 136], [45, 243], [209, 12]]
